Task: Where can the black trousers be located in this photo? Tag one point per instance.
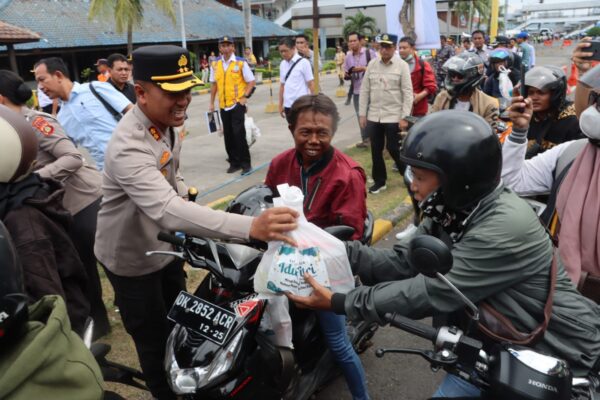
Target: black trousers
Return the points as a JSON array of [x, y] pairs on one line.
[[234, 133], [83, 233], [144, 302], [363, 132], [384, 135]]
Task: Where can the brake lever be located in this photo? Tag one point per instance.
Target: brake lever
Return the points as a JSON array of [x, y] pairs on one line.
[[442, 358], [177, 254]]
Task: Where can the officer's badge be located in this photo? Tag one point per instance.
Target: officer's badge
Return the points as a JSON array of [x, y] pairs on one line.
[[385, 37], [154, 133], [164, 157], [43, 126], [236, 68], [164, 172], [183, 62]]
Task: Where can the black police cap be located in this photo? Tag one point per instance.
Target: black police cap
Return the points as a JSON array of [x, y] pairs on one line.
[[167, 66]]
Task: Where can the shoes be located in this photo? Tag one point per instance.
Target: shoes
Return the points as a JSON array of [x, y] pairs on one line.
[[370, 181], [395, 168], [376, 188], [364, 144], [347, 103], [232, 169], [246, 170], [409, 230]]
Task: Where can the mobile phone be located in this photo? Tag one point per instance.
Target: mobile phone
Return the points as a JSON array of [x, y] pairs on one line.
[[594, 48]]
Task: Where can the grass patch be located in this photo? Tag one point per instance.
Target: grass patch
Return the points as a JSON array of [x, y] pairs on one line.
[[385, 201]]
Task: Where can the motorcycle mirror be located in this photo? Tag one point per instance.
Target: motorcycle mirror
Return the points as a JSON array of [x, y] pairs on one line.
[[342, 232], [429, 255]]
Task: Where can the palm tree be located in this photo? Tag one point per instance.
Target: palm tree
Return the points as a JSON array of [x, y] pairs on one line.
[[360, 23], [483, 8], [128, 14], [406, 20]]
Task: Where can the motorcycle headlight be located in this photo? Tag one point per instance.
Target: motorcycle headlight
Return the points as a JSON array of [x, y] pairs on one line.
[[188, 380]]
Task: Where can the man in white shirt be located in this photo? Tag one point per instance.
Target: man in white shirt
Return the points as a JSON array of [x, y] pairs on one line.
[[295, 76]]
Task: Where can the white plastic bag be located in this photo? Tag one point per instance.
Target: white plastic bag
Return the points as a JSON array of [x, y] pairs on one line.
[[252, 131], [506, 88], [320, 254]]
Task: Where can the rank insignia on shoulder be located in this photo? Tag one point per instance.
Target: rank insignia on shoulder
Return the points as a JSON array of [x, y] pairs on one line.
[[155, 134], [164, 172], [43, 126], [164, 157]]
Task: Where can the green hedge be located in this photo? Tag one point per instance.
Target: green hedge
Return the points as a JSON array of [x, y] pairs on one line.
[[329, 65], [330, 53]]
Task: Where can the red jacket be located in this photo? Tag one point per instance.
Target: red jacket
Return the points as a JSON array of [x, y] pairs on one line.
[[335, 193], [422, 79]]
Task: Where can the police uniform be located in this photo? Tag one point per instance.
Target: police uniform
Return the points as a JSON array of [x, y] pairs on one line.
[[59, 159], [231, 77], [143, 195]]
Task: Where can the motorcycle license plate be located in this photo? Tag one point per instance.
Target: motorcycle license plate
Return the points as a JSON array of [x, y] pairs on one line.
[[211, 321]]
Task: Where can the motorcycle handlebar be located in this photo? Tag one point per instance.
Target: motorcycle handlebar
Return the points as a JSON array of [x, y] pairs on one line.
[[169, 238], [416, 328]]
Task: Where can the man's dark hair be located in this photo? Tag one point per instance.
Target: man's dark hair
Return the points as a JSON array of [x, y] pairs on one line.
[[478, 31], [409, 40], [302, 36], [317, 103], [287, 41], [443, 37], [358, 35], [247, 48], [53, 64], [115, 57]]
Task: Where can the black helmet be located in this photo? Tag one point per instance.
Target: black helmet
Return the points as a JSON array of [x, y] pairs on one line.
[[468, 67], [552, 78], [13, 302], [252, 201], [500, 55], [461, 147]]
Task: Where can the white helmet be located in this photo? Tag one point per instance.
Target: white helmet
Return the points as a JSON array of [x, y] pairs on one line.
[[18, 146]]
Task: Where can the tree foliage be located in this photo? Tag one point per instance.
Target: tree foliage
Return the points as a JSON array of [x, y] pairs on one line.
[[360, 23], [127, 14]]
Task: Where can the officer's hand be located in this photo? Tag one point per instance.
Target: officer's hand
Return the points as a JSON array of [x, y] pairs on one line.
[[211, 107], [319, 299], [281, 111], [273, 223], [243, 101], [520, 112], [362, 121], [578, 54]]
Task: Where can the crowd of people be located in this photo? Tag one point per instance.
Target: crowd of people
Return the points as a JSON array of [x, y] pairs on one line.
[[67, 218]]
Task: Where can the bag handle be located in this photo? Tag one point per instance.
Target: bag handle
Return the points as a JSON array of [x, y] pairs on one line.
[[497, 327], [116, 115]]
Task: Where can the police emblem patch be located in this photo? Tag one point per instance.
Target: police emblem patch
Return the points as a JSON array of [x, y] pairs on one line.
[[43, 126]]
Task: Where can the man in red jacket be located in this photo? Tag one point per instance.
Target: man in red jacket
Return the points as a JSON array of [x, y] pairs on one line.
[[333, 183], [421, 74]]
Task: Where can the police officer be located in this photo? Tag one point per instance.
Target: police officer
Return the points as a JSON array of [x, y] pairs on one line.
[[59, 159], [144, 194], [233, 80]]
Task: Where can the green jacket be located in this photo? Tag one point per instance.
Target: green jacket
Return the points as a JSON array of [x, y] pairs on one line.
[[503, 257], [50, 361]]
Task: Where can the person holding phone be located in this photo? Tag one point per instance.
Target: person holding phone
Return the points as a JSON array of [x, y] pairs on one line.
[[554, 120]]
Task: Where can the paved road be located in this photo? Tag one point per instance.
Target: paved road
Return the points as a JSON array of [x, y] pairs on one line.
[[203, 156]]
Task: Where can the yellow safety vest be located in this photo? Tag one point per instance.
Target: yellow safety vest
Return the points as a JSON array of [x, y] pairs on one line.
[[230, 84]]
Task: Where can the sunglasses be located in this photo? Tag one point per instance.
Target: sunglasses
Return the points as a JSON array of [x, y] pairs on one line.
[[594, 98], [455, 75]]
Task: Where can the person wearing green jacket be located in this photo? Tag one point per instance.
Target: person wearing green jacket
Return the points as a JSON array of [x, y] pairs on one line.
[[501, 252]]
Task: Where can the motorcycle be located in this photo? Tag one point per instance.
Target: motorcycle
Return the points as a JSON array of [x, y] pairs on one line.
[[221, 345], [507, 371]]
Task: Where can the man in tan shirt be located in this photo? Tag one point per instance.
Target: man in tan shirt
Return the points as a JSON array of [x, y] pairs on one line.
[[386, 98], [144, 194]]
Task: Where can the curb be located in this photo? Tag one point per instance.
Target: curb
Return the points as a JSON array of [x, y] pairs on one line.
[[221, 201], [384, 225]]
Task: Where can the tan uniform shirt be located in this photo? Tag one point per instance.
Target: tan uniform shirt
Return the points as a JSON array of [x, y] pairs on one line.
[[59, 159], [386, 93], [142, 196], [482, 104]]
